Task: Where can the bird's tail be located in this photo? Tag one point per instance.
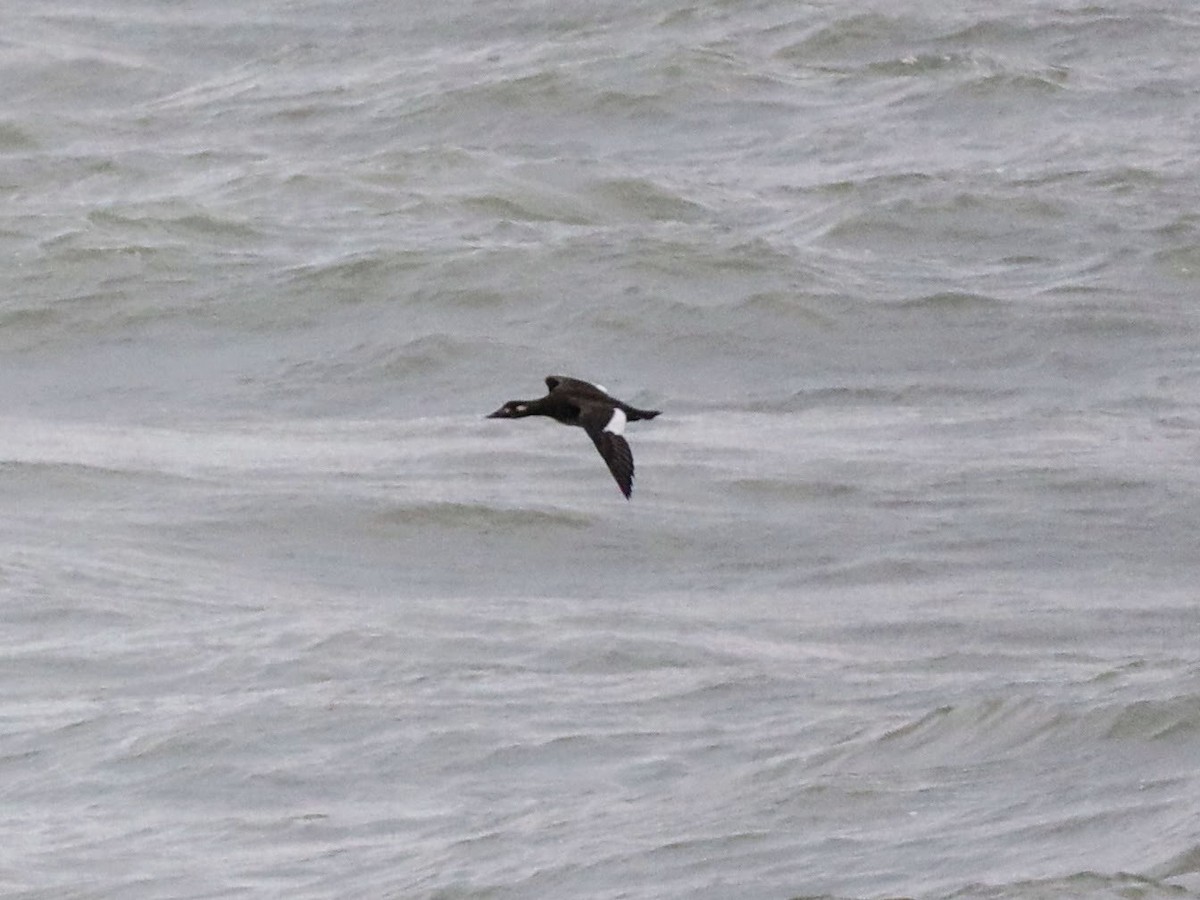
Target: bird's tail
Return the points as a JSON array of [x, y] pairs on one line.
[[634, 415]]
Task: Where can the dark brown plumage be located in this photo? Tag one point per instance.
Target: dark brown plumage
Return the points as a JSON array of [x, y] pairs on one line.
[[603, 417]]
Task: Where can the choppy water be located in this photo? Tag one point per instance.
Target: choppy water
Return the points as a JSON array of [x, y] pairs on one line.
[[905, 602]]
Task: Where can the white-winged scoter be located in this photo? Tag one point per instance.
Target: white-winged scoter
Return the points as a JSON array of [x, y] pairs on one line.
[[575, 402]]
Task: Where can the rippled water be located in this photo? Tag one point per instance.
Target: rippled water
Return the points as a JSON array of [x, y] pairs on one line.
[[904, 603]]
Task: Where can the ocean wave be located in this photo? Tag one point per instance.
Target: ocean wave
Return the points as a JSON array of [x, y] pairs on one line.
[[1002, 726], [1078, 886], [481, 517]]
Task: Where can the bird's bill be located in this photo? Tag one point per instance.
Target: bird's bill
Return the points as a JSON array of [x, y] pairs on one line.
[[498, 414]]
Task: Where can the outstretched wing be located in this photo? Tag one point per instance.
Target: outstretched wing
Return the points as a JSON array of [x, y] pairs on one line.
[[604, 428]]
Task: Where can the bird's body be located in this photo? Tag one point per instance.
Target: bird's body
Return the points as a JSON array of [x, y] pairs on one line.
[[574, 402]]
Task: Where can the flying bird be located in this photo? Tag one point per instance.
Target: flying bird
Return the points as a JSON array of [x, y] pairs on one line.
[[603, 417]]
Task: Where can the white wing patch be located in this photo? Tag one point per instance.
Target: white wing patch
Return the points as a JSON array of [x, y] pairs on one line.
[[616, 425], [600, 388]]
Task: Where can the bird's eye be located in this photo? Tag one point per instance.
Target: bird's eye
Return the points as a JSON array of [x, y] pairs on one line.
[[520, 407]]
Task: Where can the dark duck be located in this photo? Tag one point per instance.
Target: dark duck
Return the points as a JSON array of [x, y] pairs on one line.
[[603, 417]]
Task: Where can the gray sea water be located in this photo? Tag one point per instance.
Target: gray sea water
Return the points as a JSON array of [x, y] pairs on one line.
[[905, 602]]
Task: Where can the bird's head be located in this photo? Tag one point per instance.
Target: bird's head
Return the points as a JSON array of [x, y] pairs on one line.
[[513, 409]]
